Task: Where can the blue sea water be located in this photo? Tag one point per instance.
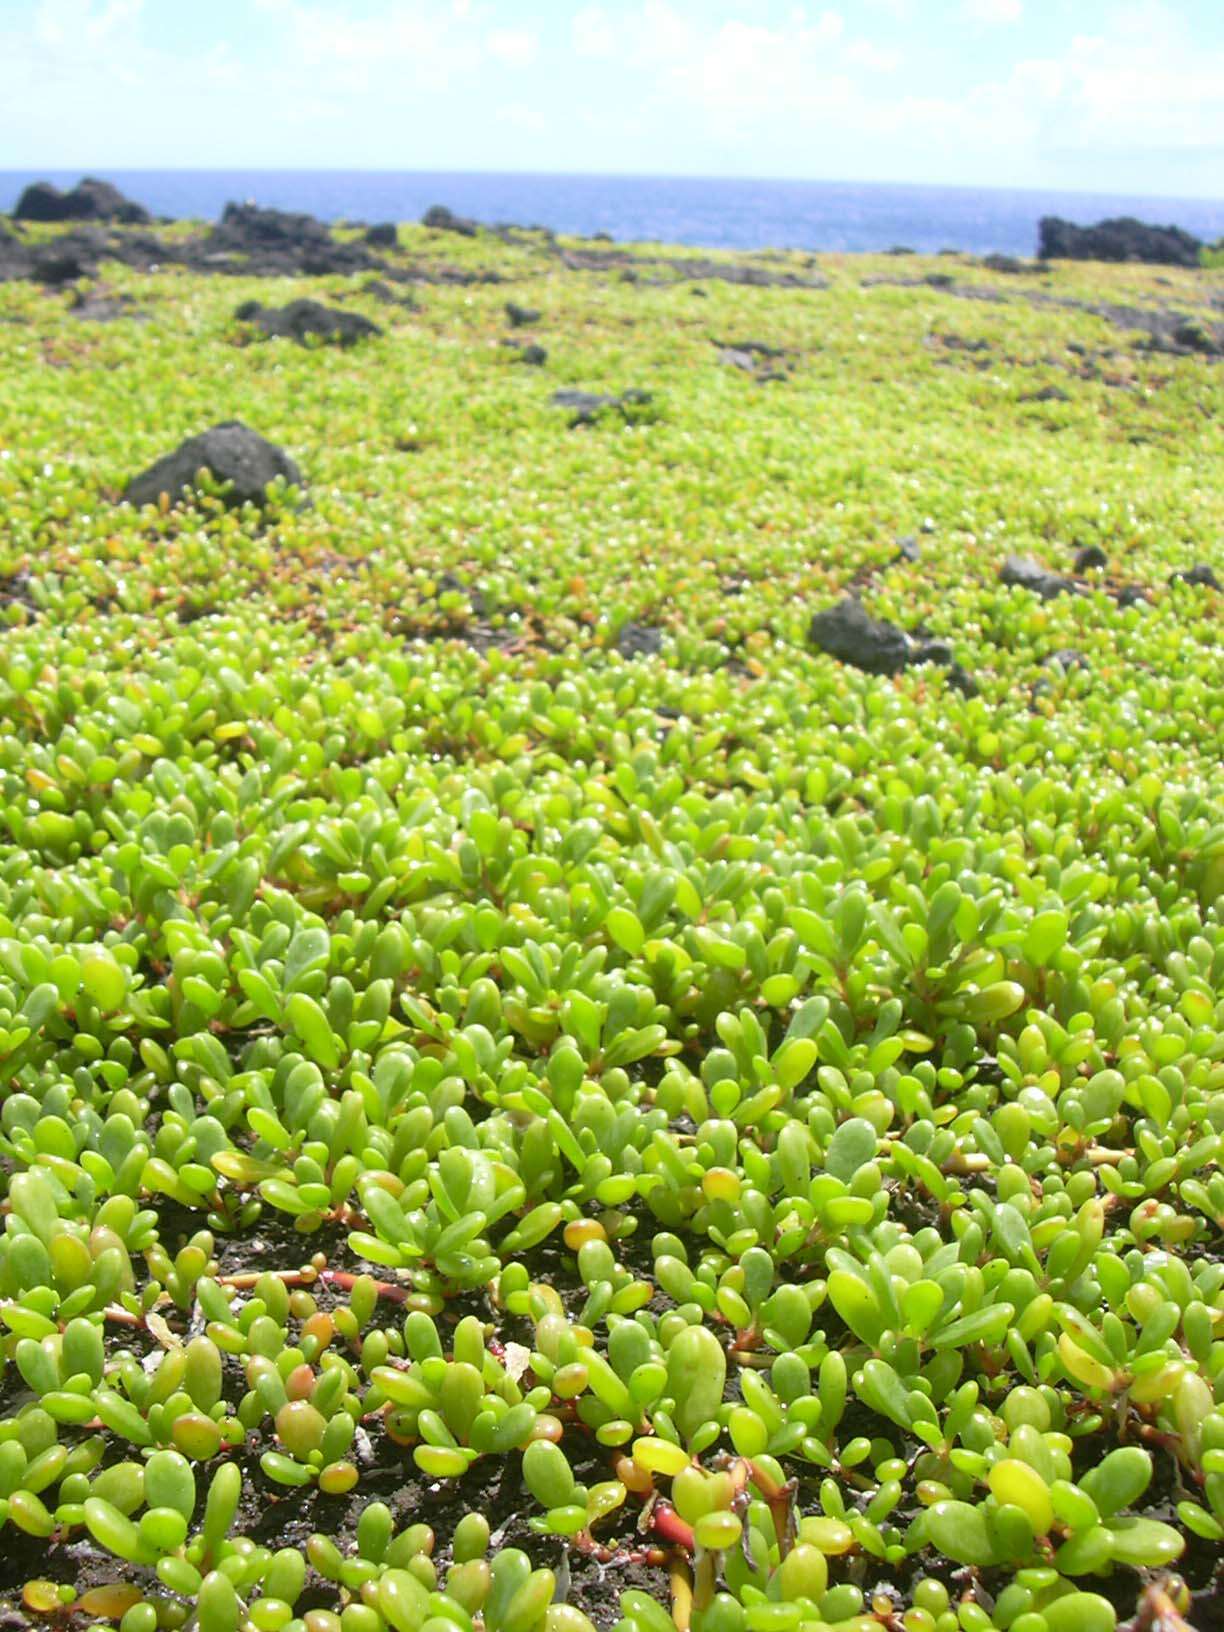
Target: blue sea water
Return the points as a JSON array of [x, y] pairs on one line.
[[721, 214]]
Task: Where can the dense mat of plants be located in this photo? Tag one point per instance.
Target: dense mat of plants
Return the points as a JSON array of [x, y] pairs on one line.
[[531, 1096]]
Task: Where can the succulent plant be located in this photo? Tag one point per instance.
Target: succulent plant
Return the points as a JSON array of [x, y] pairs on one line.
[[523, 1103]]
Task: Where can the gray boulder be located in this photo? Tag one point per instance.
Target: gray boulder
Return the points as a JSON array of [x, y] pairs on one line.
[[301, 319], [231, 453]]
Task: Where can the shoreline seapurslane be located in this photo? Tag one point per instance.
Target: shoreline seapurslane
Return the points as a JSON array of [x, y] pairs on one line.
[[611, 963]]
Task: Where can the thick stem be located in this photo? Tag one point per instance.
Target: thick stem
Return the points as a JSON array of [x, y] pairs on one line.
[[385, 1289], [705, 1579], [778, 1498], [681, 1582], [663, 1519]]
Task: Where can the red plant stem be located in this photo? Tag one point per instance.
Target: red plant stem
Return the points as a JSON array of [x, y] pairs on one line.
[[666, 1522], [384, 1289]]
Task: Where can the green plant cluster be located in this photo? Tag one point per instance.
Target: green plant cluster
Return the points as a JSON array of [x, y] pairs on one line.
[[716, 1115]]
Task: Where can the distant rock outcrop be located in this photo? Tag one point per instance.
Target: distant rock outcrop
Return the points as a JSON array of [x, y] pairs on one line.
[[588, 406], [277, 243], [230, 453], [443, 220], [1120, 239], [89, 200], [301, 319]]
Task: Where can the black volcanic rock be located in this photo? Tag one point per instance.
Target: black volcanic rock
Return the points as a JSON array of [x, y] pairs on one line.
[[1012, 267], [303, 318], [384, 235], [1022, 572], [848, 632], [639, 640], [1091, 558], [587, 406], [521, 317], [231, 453], [1120, 239], [1201, 575], [277, 243], [443, 220], [251, 226], [1047, 393], [89, 200], [527, 351]]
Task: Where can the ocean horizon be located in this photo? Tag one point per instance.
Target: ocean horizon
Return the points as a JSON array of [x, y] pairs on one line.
[[704, 212]]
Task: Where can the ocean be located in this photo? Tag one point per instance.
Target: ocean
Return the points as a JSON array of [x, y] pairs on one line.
[[710, 213]]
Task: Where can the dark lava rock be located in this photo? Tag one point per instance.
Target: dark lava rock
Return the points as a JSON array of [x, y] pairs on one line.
[[275, 243], [960, 680], [58, 268], [521, 317], [89, 200], [384, 235], [379, 289], [1090, 559], [849, 633], [250, 227], [639, 640], [102, 306], [959, 342], [754, 348], [1189, 334], [1132, 595], [587, 406], [303, 318], [527, 352], [443, 220], [231, 453], [1022, 572], [1119, 239], [1048, 393], [15, 589], [1010, 265], [908, 549], [1201, 575]]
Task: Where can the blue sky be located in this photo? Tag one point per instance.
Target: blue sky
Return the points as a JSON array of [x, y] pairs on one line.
[[1105, 95]]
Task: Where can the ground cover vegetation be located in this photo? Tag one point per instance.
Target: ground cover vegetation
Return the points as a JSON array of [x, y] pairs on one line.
[[611, 988]]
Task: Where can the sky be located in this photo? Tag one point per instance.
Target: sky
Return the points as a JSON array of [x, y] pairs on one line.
[[1095, 95]]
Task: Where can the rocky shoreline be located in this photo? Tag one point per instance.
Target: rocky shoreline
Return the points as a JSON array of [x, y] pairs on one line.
[[252, 239]]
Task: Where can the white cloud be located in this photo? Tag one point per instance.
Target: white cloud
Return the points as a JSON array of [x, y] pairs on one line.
[[523, 117], [591, 33], [813, 89], [516, 47], [994, 11], [876, 59]]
